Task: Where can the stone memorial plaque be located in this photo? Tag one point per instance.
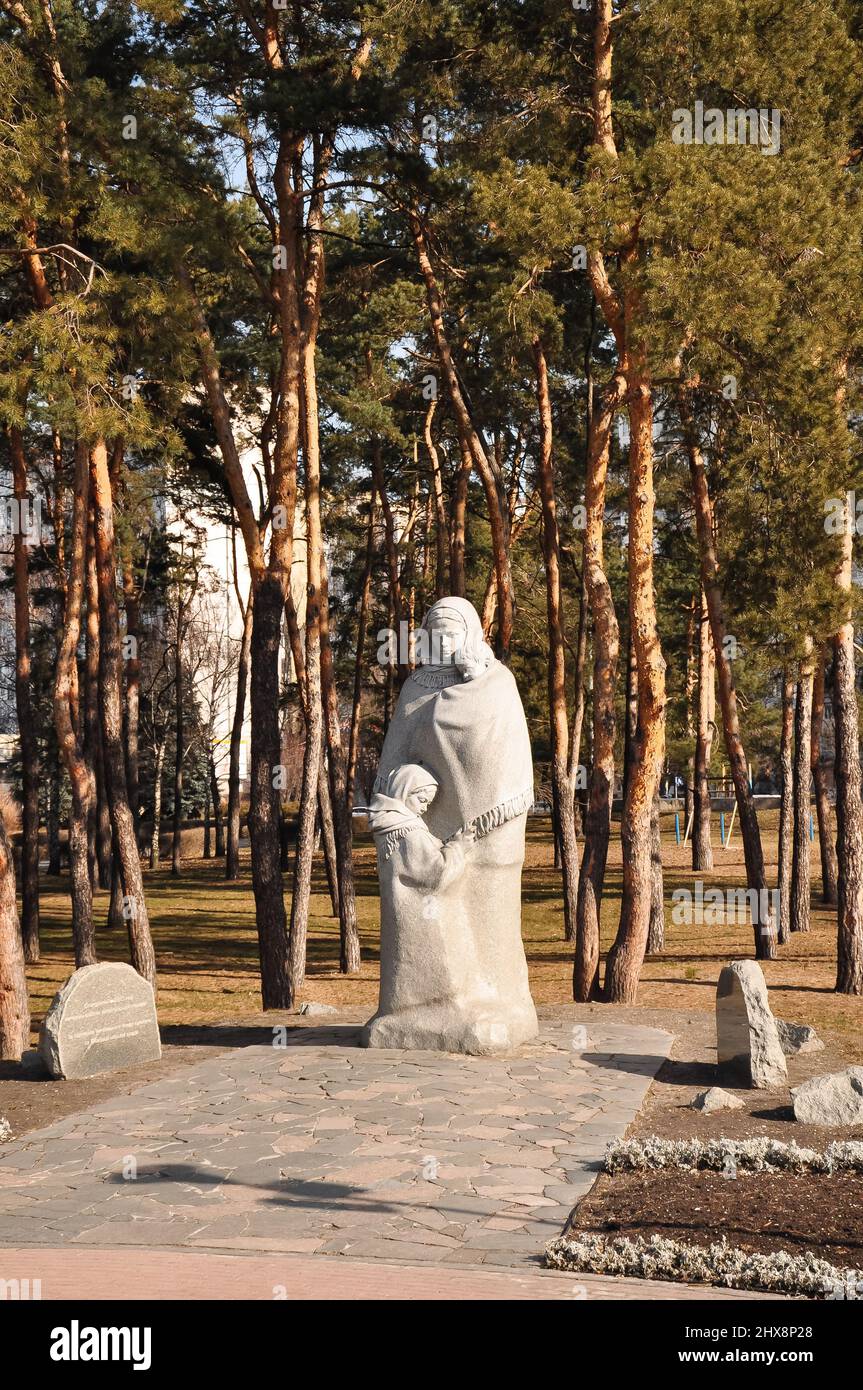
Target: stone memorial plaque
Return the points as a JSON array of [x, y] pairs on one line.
[[103, 1019]]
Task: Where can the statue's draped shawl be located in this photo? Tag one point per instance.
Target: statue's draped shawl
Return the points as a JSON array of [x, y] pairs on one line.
[[472, 737]]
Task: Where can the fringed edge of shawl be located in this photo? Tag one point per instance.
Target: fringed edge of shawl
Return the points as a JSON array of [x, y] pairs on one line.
[[499, 815], [392, 838], [489, 820]]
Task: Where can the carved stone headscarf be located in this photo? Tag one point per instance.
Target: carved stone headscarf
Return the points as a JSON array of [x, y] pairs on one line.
[[388, 814], [469, 660]]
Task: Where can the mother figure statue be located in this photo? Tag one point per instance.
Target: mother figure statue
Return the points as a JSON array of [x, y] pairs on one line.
[[453, 970]]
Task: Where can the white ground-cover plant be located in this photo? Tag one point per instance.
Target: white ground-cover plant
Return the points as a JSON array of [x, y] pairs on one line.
[[5, 1129], [746, 1155], [721, 1264]]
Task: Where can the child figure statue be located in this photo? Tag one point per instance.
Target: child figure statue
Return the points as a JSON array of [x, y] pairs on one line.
[[431, 992]]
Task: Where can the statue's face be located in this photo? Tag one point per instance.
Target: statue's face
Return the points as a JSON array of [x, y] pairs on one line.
[[420, 800], [447, 634]]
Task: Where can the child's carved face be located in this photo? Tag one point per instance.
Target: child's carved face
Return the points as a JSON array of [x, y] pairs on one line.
[[419, 800]]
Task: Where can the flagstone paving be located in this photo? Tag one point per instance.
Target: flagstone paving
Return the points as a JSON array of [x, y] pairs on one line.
[[322, 1147]]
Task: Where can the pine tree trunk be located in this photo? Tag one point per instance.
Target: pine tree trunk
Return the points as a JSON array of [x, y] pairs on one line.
[[801, 891], [579, 700], [216, 800], [54, 818], [103, 820], [489, 604], [284, 839], [390, 546], [349, 941], [765, 932], [158, 763], [232, 858], [399, 617], [79, 772], [271, 582], [30, 775], [829, 871], [208, 850], [272, 922], [312, 756], [702, 849], [362, 626], [692, 629], [786, 807], [627, 954], [65, 682], [133, 692], [555, 832], [326, 825], [100, 813], [630, 730], [389, 679], [426, 553], [179, 749], [54, 754], [656, 932], [92, 736], [349, 951], [14, 1001], [557, 711], [606, 650], [135, 907], [849, 795], [442, 537], [312, 683], [458, 529], [116, 915]]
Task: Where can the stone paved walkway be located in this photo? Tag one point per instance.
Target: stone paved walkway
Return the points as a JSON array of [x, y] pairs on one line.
[[321, 1147]]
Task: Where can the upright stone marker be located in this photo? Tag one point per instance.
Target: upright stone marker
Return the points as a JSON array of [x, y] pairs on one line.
[[103, 1018], [747, 1042]]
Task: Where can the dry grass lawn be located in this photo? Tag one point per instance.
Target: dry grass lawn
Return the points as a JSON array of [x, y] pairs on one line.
[[206, 945]]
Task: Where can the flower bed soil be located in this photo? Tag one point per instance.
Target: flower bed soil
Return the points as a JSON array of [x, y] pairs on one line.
[[757, 1212]]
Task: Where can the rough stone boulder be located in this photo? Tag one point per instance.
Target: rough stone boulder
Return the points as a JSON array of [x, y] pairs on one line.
[[797, 1037], [747, 1042], [716, 1099], [834, 1099]]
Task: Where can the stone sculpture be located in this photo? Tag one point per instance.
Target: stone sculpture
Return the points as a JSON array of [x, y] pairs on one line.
[[449, 812]]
